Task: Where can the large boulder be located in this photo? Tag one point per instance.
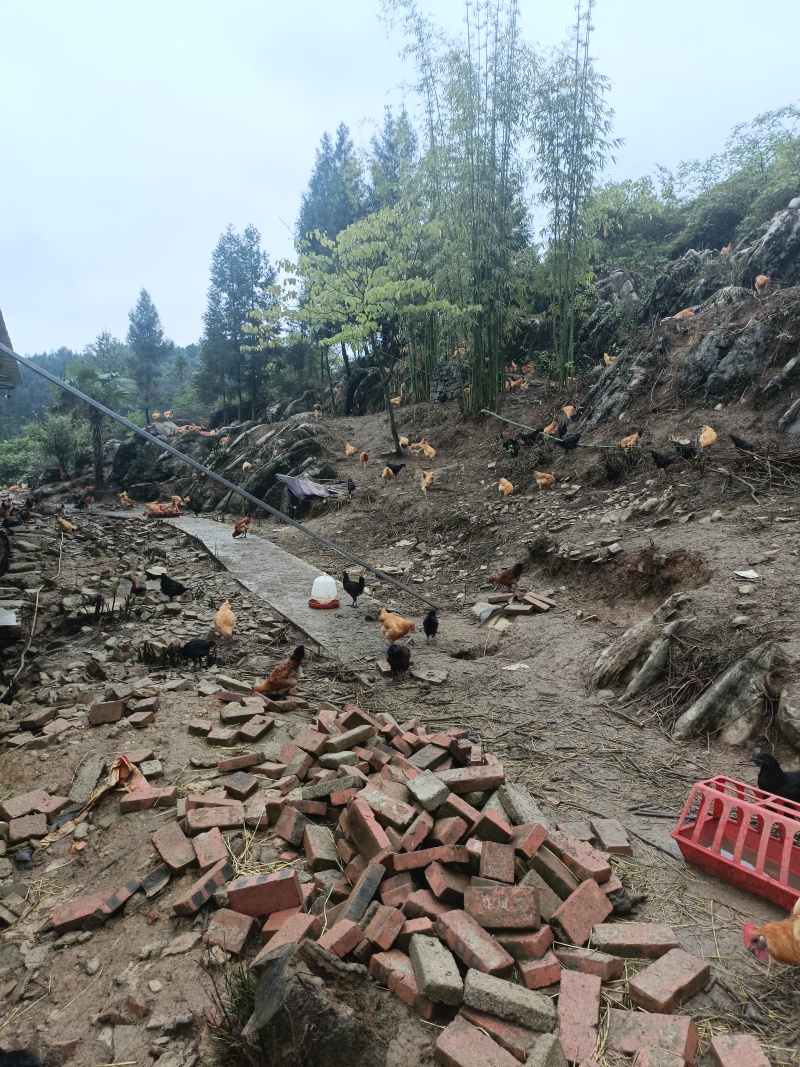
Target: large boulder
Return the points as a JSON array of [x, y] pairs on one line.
[[776, 250], [639, 656], [789, 713], [722, 362]]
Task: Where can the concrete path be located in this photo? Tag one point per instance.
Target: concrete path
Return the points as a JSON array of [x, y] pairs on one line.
[[284, 582]]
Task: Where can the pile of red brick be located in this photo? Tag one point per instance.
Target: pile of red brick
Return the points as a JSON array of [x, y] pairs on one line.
[[422, 863]]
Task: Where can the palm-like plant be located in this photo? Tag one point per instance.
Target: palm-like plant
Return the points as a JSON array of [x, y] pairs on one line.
[[111, 390]]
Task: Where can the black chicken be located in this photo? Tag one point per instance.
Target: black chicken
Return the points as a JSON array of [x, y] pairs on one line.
[[171, 588], [194, 506], [398, 657], [614, 472], [568, 443], [355, 589], [351, 486], [561, 429], [197, 649], [530, 438], [23, 1058], [441, 397], [741, 444], [661, 459], [430, 624], [772, 778], [685, 451], [511, 447], [395, 468]]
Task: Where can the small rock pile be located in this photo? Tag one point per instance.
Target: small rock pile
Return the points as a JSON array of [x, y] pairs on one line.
[[420, 862]]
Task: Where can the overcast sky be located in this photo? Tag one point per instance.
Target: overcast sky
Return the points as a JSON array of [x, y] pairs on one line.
[[134, 131]]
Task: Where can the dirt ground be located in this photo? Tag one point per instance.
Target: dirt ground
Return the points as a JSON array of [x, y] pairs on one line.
[[526, 690]]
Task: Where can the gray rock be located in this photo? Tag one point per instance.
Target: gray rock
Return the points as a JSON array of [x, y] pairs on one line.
[[742, 362], [428, 790], [520, 806], [484, 992], [789, 714], [436, 970], [547, 1053]]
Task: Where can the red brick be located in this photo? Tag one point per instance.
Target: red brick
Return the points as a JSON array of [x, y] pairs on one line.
[[368, 836], [737, 1050], [405, 988], [300, 766], [293, 930], [240, 785], [538, 974], [607, 968], [342, 938], [209, 848], [224, 818], [464, 1045], [418, 831], [276, 919], [141, 718], [512, 907], [106, 711], [669, 982], [355, 868], [472, 944], [265, 893], [629, 1031], [350, 738], [491, 826], [311, 741], [213, 799], [24, 804], [424, 903], [319, 848], [612, 837], [148, 797], [548, 901], [26, 827], [230, 930], [52, 806], [174, 847], [447, 884], [200, 726], [78, 914], [527, 838], [472, 779], [423, 925], [527, 944], [656, 1057], [270, 770], [256, 815], [424, 857], [578, 1014], [455, 805], [643, 941], [513, 1038], [384, 927], [554, 872], [238, 763], [203, 889], [497, 862], [584, 861], [613, 885], [582, 911], [396, 890], [448, 831], [255, 728]]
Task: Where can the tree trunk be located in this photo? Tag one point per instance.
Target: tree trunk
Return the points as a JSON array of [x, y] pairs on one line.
[[96, 423], [346, 360]]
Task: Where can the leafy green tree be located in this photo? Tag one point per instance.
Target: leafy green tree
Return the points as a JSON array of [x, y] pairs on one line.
[[110, 390], [241, 275], [56, 436], [109, 353], [149, 348]]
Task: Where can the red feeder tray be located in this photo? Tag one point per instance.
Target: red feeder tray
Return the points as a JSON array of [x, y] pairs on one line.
[[744, 836]]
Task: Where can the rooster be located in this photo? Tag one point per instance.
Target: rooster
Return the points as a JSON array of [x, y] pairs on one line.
[[350, 450], [284, 676], [394, 627], [778, 940], [509, 577], [505, 487], [544, 480], [242, 526], [225, 620]]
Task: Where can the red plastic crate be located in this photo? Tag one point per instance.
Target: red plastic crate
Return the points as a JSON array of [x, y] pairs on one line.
[[744, 836]]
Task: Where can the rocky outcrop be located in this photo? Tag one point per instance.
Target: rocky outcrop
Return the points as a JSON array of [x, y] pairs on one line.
[[789, 714], [722, 362], [687, 282], [777, 250], [640, 655]]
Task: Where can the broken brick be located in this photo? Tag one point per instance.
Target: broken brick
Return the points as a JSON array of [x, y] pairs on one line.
[[538, 974], [581, 912], [634, 940], [612, 837], [418, 831], [26, 827], [737, 1050], [240, 785], [446, 884], [174, 847], [669, 982], [526, 944], [209, 848], [148, 797], [140, 719], [265, 893], [527, 839], [629, 1031], [578, 1014], [319, 848], [491, 826], [384, 927], [587, 961], [342, 938], [23, 804], [422, 925], [513, 1038], [238, 763], [396, 890], [203, 889], [425, 857], [230, 930]]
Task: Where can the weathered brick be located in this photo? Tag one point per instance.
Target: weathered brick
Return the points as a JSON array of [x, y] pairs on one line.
[[549, 1053], [737, 1050], [239, 763], [538, 974], [554, 872], [578, 1014], [448, 831], [200, 726], [446, 883], [26, 827], [472, 944], [174, 847], [230, 930], [581, 912], [209, 848], [224, 818], [463, 1045], [584, 861], [496, 996], [418, 831], [629, 1031], [364, 889], [492, 826], [429, 757], [240, 785], [387, 810], [52, 806], [503, 907], [148, 797], [23, 804], [78, 914], [435, 970], [215, 798], [423, 903], [342, 938], [427, 790], [425, 857], [384, 927], [656, 1057], [548, 901], [106, 711], [319, 848], [458, 807], [612, 837], [396, 890], [203, 889], [139, 719], [497, 862], [644, 941], [527, 839], [422, 925], [514, 1039], [270, 770], [526, 944], [587, 961], [221, 736], [472, 779], [350, 738], [369, 837], [669, 982], [265, 893], [311, 741]]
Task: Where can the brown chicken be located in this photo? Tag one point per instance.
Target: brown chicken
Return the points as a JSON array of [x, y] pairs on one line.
[[418, 445], [570, 411], [225, 620], [426, 481], [551, 428], [505, 487], [350, 450], [404, 442], [246, 465], [126, 500], [64, 525], [629, 441], [394, 627], [707, 437], [687, 313], [608, 360], [430, 453], [544, 480], [364, 457], [726, 251], [761, 283], [284, 676], [779, 940], [242, 526], [509, 577]]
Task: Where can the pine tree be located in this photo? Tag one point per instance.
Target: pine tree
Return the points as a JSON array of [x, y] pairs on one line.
[[149, 347], [393, 159], [336, 195]]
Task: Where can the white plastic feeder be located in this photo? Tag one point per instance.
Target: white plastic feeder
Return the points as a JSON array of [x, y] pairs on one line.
[[324, 589]]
